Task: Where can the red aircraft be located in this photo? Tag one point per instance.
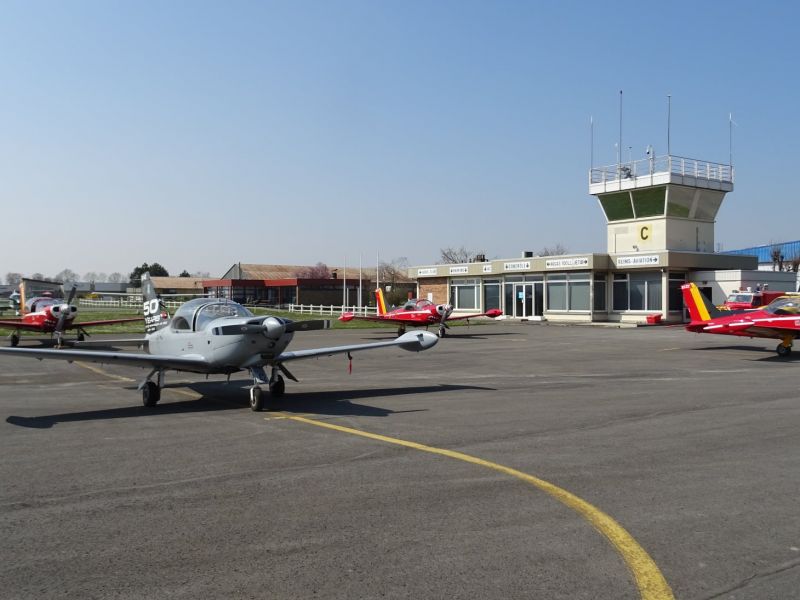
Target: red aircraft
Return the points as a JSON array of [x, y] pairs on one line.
[[779, 319], [417, 312], [48, 314]]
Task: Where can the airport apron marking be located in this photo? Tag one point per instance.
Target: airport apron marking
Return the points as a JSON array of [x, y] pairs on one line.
[[648, 577], [100, 371]]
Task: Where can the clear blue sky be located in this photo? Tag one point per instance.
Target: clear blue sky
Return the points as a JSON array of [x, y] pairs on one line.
[[201, 134]]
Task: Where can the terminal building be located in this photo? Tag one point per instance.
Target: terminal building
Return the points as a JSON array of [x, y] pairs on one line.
[[660, 214]]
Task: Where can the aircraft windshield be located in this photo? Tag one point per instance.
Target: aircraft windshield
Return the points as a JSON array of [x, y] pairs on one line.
[[200, 312], [424, 303], [784, 306], [740, 298]]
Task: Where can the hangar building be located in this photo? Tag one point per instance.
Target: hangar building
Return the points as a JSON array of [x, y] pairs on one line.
[[660, 214]]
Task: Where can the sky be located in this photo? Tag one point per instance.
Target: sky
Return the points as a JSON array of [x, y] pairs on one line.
[[201, 134]]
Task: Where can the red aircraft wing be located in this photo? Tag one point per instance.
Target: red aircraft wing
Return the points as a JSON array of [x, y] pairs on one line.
[[493, 313], [21, 324]]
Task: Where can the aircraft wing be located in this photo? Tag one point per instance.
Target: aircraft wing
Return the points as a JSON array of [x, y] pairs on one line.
[[414, 341], [20, 324], [82, 324], [194, 363], [489, 313], [351, 317]]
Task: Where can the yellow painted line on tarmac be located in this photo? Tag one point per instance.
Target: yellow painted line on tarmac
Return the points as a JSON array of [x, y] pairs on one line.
[[100, 371], [648, 578]]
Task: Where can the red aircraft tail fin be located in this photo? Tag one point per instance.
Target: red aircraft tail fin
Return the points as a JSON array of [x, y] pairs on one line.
[[380, 302], [22, 308], [700, 308]]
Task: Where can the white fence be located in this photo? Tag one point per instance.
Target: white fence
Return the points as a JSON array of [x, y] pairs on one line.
[[121, 303], [332, 309]]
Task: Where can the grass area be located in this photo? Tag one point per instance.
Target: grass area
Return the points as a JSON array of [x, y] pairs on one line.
[[137, 327]]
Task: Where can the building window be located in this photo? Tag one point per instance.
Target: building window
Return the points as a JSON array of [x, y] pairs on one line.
[[600, 292], [491, 294], [637, 291], [674, 294], [568, 291], [464, 293], [557, 291]]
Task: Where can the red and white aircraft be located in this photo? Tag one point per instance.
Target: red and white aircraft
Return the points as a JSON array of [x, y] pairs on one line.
[[779, 319], [48, 314], [417, 312]]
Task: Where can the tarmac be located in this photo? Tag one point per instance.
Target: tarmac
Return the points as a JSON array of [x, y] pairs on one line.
[[512, 460]]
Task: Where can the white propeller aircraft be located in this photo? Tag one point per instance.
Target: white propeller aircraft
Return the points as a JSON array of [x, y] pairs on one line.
[[216, 336]]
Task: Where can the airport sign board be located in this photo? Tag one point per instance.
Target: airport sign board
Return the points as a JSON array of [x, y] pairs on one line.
[[638, 261], [565, 263], [520, 265], [427, 272]]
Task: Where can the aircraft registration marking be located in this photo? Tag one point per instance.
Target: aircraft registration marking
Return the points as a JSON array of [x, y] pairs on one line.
[[649, 580]]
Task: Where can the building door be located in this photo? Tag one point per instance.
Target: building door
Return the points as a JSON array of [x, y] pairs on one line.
[[523, 300]]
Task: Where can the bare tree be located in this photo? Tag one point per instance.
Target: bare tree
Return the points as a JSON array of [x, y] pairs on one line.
[[116, 277], [101, 277], [13, 278], [66, 276], [451, 255], [38, 276], [777, 258], [90, 276], [795, 263], [557, 250], [394, 270], [318, 271], [203, 274]]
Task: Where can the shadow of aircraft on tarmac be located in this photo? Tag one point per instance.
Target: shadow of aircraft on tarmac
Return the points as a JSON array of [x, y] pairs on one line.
[[230, 397]]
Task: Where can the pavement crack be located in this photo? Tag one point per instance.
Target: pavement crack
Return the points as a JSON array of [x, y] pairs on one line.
[[782, 568]]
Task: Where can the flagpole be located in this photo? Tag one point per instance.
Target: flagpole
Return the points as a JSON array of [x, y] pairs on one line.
[[344, 285], [359, 280]]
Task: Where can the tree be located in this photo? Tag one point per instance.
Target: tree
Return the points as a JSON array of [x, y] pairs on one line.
[[557, 250], [38, 276], [155, 270], [66, 276], [203, 274], [115, 277], [90, 276], [777, 257], [459, 255], [101, 277], [13, 278], [184, 273], [391, 272], [318, 271]]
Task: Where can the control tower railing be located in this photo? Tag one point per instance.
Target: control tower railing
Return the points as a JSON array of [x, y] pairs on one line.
[[662, 165]]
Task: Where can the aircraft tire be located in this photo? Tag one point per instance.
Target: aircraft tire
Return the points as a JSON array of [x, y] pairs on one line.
[[14, 340], [401, 330], [81, 337], [278, 387], [783, 350], [256, 399], [151, 394], [442, 332]]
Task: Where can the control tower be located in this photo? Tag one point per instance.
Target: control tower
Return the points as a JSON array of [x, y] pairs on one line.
[[661, 203]]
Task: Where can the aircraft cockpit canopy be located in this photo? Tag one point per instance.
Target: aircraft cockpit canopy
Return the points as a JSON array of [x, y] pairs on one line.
[[417, 304], [784, 306], [198, 313]]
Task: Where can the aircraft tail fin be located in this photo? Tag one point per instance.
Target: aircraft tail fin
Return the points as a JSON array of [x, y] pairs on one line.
[[381, 302], [22, 307], [155, 312], [700, 308]]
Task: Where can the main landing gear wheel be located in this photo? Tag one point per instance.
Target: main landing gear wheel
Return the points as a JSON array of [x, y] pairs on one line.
[[81, 337], [14, 340], [151, 394], [401, 330], [277, 387], [442, 332], [256, 399], [783, 350]]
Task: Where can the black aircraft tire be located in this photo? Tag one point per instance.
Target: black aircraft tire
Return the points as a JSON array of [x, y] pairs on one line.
[[14, 340], [442, 332], [256, 399], [278, 387], [81, 337], [783, 350], [151, 394]]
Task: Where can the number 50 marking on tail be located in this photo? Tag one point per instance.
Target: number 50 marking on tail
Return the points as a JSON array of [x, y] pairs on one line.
[[150, 307]]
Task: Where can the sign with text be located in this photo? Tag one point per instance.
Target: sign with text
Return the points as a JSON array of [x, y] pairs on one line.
[[461, 270], [521, 265], [638, 261], [563, 263], [427, 272]]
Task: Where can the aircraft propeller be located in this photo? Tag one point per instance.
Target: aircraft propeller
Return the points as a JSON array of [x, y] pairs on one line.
[[64, 310], [273, 327]]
